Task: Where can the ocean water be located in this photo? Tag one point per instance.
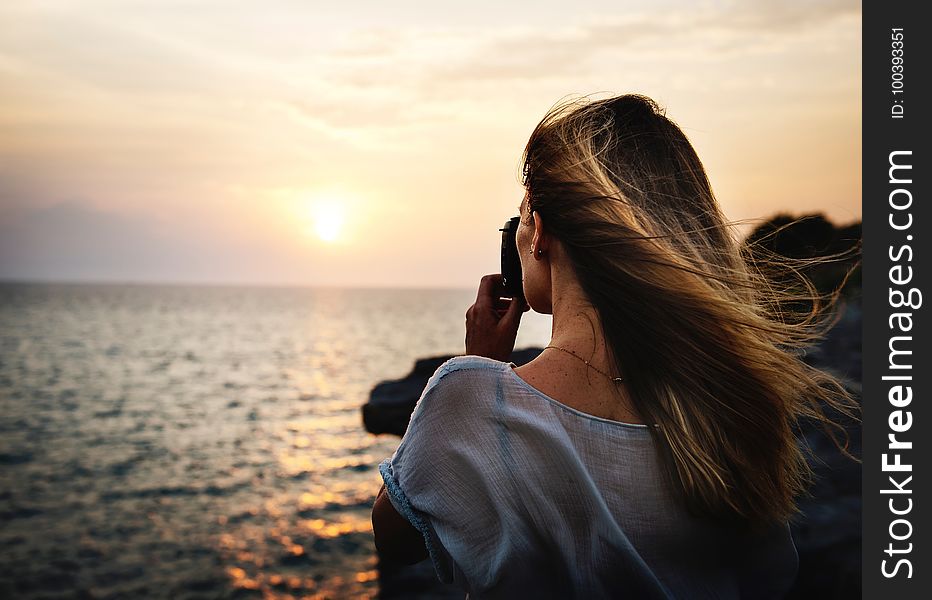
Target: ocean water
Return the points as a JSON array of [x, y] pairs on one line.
[[185, 441]]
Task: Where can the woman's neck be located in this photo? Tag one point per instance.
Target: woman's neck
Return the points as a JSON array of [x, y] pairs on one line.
[[576, 324]]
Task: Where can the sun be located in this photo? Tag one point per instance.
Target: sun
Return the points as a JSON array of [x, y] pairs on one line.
[[323, 214], [328, 218]]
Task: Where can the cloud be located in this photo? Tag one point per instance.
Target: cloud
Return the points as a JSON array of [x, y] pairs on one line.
[[432, 58], [358, 82], [106, 56], [159, 108], [433, 67]]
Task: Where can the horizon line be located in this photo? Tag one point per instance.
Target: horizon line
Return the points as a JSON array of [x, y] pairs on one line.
[[228, 284]]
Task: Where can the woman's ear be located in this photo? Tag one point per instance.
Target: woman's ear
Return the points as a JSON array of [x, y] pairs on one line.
[[540, 240]]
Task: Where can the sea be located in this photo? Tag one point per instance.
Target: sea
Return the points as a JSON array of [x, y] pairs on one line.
[[174, 441]]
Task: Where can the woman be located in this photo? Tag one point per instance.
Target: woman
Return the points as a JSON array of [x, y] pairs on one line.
[[649, 451]]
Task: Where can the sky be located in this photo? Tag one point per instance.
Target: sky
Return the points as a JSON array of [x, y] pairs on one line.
[[378, 144]]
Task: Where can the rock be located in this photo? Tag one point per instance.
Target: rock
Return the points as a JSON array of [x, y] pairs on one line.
[[827, 530], [391, 402]]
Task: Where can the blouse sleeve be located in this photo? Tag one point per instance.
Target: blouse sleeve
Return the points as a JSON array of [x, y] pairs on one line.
[[448, 477]]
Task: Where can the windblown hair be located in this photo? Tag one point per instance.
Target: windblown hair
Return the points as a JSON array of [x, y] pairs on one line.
[[698, 326]]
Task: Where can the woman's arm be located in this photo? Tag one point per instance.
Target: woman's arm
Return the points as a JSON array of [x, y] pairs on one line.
[[491, 328], [395, 538]]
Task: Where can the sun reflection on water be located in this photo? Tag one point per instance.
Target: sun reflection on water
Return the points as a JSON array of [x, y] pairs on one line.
[[285, 560], [310, 536], [210, 438]]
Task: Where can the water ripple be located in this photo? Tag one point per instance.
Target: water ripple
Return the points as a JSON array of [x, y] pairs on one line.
[[198, 441]]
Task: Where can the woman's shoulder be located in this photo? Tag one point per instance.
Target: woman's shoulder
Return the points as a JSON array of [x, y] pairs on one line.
[[463, 380], [471, 363], [466, 369]]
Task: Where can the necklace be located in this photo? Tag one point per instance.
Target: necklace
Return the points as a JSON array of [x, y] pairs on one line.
[[597, 370]]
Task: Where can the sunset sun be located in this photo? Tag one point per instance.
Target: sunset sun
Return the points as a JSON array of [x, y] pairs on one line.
[[327, 220]]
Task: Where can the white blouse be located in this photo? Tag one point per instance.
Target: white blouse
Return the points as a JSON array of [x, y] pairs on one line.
[[518, 495]]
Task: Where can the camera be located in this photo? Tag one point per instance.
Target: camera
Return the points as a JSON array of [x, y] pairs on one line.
[[511, 264]]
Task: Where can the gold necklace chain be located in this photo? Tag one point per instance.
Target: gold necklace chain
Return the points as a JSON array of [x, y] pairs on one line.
[[588, 364]]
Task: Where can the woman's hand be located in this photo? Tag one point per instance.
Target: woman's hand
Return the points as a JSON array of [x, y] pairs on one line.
[[492, 322]]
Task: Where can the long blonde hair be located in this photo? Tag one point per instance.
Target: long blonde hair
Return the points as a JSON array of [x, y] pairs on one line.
[[699, 327]]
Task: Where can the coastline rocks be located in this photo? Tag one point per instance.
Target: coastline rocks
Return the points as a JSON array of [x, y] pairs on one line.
[[827, 530], [391, 402]]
